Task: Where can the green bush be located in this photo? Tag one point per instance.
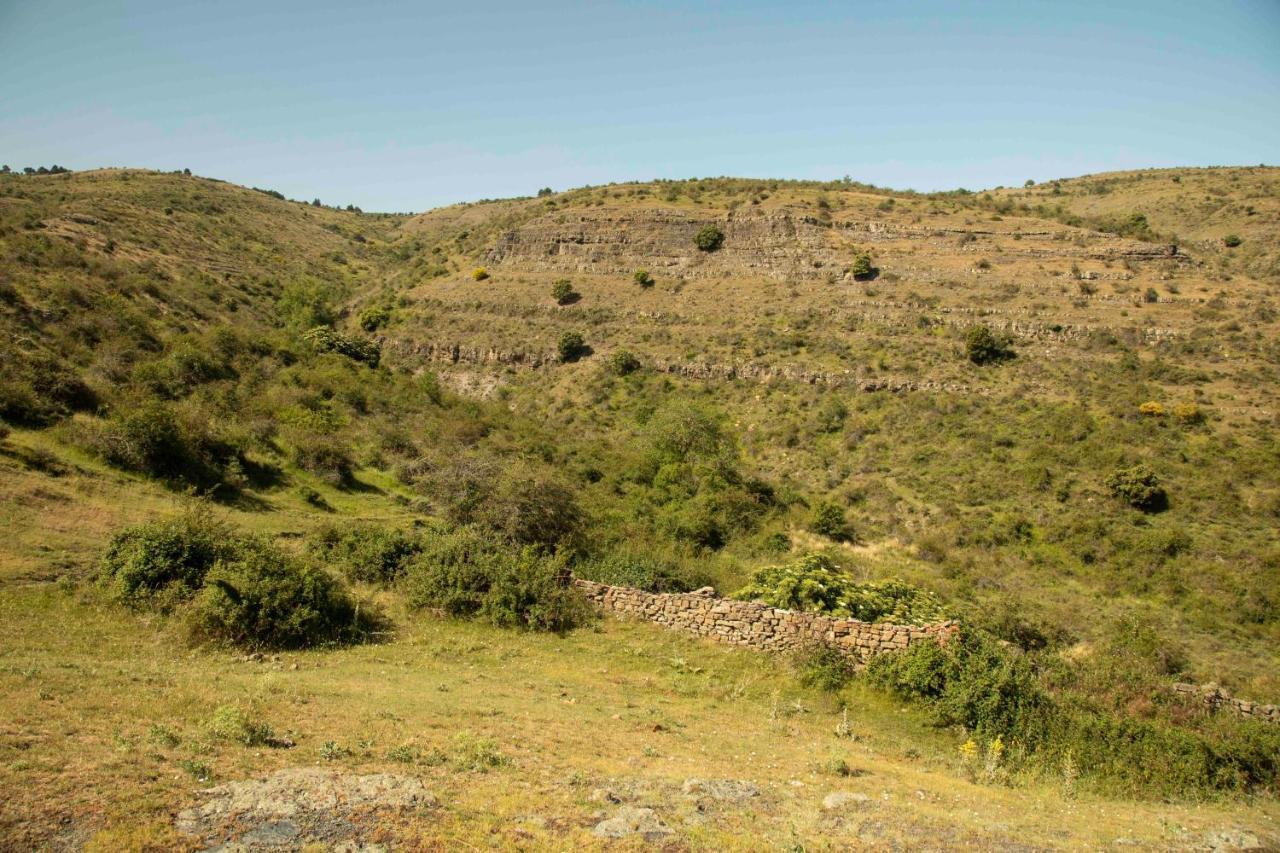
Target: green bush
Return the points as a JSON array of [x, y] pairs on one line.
[[262, 598], [152, 439], [467, 574], [642, 571], [822, 667], [325, 339], [1231, 241], [163, 562], [643, 278], [375, 317], [624, 362], [571, 347], [992, 691], [530, 505], [971, 682], [709, 238], [327, 455], [982, 346], [828, 520], [862, 267], [366, 552], [816, 584], [563, 293], [1139, 487]]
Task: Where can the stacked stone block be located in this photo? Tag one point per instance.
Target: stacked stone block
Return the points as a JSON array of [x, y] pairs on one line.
[[1218, 699], [758, 626]]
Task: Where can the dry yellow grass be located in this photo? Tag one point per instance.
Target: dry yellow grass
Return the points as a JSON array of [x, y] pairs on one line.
[[102, 707]]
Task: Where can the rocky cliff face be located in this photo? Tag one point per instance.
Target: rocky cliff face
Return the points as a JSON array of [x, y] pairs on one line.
[[778, 244], [660, 240]]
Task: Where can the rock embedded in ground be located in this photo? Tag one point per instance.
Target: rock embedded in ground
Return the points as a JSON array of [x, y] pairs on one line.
[[732, 790], [632, 820], [298, 806], [844, 800]]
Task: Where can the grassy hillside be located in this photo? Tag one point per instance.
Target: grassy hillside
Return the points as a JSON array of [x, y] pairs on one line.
[[1091, 488]]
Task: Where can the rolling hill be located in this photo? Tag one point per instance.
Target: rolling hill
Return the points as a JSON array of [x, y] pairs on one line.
[[1054, 407]]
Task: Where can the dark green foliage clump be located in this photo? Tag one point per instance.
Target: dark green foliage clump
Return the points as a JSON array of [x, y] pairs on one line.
[[971, 682], [1231, 241], [824, 668], [163, 562], [816, 584], [643, 278], [152, 439], [375, 317], [828, 520], [694, 489], [709, 238], [325, 339], [563, 293], [366, 552], [516, 502], [1139, 487], [263, 598], [642, 571], [862, 267], [993, 691], [235, 588], [36, 391], [467, 574], [982, 346], [571, 347], [624, 362]]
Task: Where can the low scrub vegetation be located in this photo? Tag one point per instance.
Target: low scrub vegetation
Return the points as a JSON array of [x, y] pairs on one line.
[[816, 584], [229, 587]]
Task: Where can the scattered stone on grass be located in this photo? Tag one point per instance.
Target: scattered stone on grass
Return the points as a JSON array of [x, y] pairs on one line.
[[298, 806], [843, 800], [730, 790], [631, 820]]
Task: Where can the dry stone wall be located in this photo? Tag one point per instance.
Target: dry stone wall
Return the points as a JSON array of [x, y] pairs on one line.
[[1218, 699], [748, 623]]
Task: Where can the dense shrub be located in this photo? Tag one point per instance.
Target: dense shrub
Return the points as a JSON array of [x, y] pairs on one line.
[[992, 691], [982, 346], [520, 502], [643, 278], [1139, 487], [325, 339], [623, 362], [642, 571], [366, 552], [563, 293], [709, 238], [375, 317], [152, 439], [163, 562], [324, 454], [828, 520], [261, 597], [823, 667], [816, 584], [862, 267], [479, 274], [467, 574], [530, 506], [971, 682], [571, 347], [1231, 241], [38, 391]]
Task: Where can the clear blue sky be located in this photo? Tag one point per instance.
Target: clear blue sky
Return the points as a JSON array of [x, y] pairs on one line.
[[404, 106]]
